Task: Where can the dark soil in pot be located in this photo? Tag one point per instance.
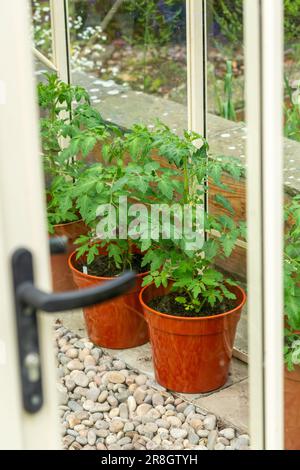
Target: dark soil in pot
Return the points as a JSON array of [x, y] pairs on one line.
[[167, 304], [102, 266]]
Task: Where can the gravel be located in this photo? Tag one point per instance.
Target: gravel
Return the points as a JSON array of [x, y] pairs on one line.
[[104, 405]]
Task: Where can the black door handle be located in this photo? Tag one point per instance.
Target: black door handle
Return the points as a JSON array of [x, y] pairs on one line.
[[33, 297], [58, 245], [29, 299]]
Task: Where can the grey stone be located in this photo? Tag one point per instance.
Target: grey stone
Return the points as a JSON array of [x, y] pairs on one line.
[[68, 440], [70, 385], [178, 433], [93, 394], [81, 440], [103, 396], [75, 364], [151, 415], [212, 440], [119, 365], [116, 425], [163, 423], [219, 446], [122, 396], [139, 395], [111, 439], [124, 441], [88, 405], [141, 379], [91, 437], [102, 433], [157, 399], [188, 410], [62, 392], [82, 415], [101, 424], [80, 378], [127, 447], [72, 353], [131, 403], [210, 422], [150, 428], [100, 407], [242, 442], [193, 438], [112, 400], [89, 361], [74, 406], [143, 409], [101, 446], [224, 441], [114, 377], [114, 412], [181, 407], [123, 411], [228, 433], [174, 421], [96, 353]]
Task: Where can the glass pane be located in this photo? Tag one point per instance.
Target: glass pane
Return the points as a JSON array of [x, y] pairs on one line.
[[131, 56], [41, 23], [292, 229], [226, 135], [226, 110]]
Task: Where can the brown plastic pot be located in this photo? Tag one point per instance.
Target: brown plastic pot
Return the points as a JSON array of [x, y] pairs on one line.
[[62, 279], [118, 323], [191, 355], [292, 407]]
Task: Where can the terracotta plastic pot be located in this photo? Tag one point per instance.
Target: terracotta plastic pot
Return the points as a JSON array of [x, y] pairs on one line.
[[191, 355], [118, 323], [292, 408], [62, 279]]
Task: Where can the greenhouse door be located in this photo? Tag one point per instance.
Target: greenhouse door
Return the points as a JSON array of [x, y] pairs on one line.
[[22, 225]]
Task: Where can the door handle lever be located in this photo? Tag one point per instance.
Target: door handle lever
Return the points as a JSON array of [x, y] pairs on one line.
[[58, 245], [29, 300]]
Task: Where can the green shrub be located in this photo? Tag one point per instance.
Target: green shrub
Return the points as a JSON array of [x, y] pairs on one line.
[[229, 16]]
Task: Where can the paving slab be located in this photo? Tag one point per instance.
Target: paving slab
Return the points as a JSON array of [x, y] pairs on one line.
[[229, 404]]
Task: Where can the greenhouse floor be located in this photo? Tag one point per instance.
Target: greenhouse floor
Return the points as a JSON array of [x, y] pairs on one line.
[[214, 421]]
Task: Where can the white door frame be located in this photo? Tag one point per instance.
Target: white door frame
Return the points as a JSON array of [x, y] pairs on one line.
[[196, 65], [59, 13], [264, 103], [22, 224]]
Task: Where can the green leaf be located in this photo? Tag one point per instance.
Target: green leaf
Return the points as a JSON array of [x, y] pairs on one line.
[[92, 253], [146, 244], [100, 187], [166, 188], [150, 167], [147, 280], [228, 245], [87, 145], [223, 201]]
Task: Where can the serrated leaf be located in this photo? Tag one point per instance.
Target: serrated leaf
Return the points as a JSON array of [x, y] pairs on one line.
[[166, 188], [147, 280], [223, 201]]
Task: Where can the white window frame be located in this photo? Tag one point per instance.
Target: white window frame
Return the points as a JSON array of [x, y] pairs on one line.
[[264, 103]]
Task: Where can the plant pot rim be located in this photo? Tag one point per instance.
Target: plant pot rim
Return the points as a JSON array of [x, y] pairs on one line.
[[91, 277], [68, 223], [193, 319]]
